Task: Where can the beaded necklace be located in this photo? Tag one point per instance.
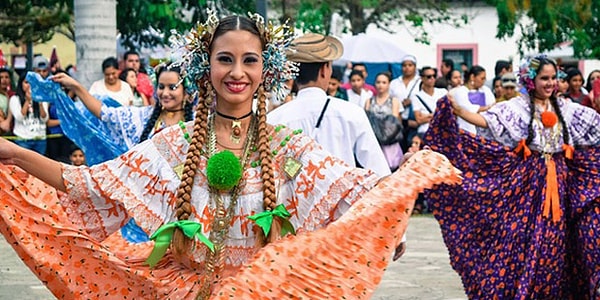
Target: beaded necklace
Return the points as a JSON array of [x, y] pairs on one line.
[[215, 261]]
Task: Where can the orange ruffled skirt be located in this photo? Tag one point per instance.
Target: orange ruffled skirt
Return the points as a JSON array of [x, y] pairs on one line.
[[345, 259]]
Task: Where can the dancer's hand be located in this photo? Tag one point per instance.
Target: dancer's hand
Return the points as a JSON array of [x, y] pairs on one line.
[[65, 80], [8, 151], [399, 251]]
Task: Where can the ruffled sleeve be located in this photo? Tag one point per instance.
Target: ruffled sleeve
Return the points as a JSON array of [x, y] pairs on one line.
[[140, 183], [126, 122], [323, 189], [584, 124], [507, 122]]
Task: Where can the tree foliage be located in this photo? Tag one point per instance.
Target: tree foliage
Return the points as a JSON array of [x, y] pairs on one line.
[[382, 13], [141, 23], [32, 21], [545, 23]]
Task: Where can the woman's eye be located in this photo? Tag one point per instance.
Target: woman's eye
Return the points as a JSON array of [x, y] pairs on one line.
[[224, 59], [250, 60]]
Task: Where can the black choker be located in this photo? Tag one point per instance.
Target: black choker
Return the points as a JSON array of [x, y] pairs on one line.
[[174, 110], [234, 118], [236, 126]]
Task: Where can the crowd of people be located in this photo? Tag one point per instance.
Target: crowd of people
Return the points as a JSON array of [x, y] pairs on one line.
[[228, 190]]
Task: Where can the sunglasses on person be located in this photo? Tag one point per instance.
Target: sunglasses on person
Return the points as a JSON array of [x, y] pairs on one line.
[[429, 76], [509, 80]]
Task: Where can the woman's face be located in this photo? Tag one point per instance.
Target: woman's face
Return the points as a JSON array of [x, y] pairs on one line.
[[236, 69], [456, 78], [478, 80], [4, 81], [575, 83], [382, 84], [563, 86], [131, 79], [498, 90], [545, 82], [111, 76], [357, 83], [593, 76], [170, 91]]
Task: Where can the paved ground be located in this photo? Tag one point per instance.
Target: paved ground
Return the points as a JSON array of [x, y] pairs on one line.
[[422, 273]]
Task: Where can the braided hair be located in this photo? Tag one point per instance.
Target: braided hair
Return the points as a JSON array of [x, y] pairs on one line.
[[553, 101], [183, 209], [188, 106]]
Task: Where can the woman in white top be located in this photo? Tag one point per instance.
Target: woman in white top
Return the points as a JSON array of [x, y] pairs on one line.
[[130, 76], [358, 94], [474, 96], [111, 85], [30, 118]]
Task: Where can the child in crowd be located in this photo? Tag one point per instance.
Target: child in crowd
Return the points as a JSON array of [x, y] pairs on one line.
[[77, 157]]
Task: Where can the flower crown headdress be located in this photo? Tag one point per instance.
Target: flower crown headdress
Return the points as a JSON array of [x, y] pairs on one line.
[[195, 52], [528, 71]]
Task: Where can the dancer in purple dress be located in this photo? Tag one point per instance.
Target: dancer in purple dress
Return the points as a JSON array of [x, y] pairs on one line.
[[524, 224]]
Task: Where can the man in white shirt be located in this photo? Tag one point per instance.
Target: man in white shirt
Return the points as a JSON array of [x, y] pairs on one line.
[[425, 100], [406, 85], [342, 128]]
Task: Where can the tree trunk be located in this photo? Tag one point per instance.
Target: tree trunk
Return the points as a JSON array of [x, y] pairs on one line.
[[357, 17], [95, 37]]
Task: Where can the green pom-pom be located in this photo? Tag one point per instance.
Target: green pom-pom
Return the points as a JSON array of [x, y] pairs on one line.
[[223, 170]]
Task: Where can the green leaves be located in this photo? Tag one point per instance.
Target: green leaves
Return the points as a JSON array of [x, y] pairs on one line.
[[32, 21], [554, 22]]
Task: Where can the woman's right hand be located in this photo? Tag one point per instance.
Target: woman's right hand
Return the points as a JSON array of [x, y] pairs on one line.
[[65, 80]]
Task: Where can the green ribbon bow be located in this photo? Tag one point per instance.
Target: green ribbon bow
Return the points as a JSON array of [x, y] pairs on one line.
[[163, 236], [265, 219]]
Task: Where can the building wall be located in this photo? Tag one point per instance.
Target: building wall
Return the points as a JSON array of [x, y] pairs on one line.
[[65, 49], [479, 34]]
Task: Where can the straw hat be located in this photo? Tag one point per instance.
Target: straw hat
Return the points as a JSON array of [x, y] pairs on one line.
[[315, 48]]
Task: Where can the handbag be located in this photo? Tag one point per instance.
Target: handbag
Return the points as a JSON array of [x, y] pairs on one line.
[[387, 128]]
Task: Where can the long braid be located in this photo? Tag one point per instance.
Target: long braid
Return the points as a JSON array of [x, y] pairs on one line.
[[269, 193], [554, 102], [183, 207], [151, 122], [532, 112]]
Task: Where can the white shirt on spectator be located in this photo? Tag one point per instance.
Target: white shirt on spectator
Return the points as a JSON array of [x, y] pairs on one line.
[[361, 99], [461, 96], [401, 91], [123, 96], [28, 127], [344, 131], [430, 101]]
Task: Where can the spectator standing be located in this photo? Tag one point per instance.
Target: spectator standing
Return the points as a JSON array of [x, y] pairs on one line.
[[576, 92], [474, 96], [509, 87], [5, 93], [342, 128], [425, 100], [30, 118], [357, 94], [498, 90], [383, 104], [443, 82], [130, 76], [144, 84], [334, 89], [403, 88], [363, 69], [455, 79], [111, 85]]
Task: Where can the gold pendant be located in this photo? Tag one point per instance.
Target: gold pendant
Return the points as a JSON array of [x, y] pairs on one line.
[[236, 131], [178, 169], [292, 167]]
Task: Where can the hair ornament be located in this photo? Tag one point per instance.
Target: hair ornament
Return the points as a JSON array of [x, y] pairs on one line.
[[528, 71], [277, 69]]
